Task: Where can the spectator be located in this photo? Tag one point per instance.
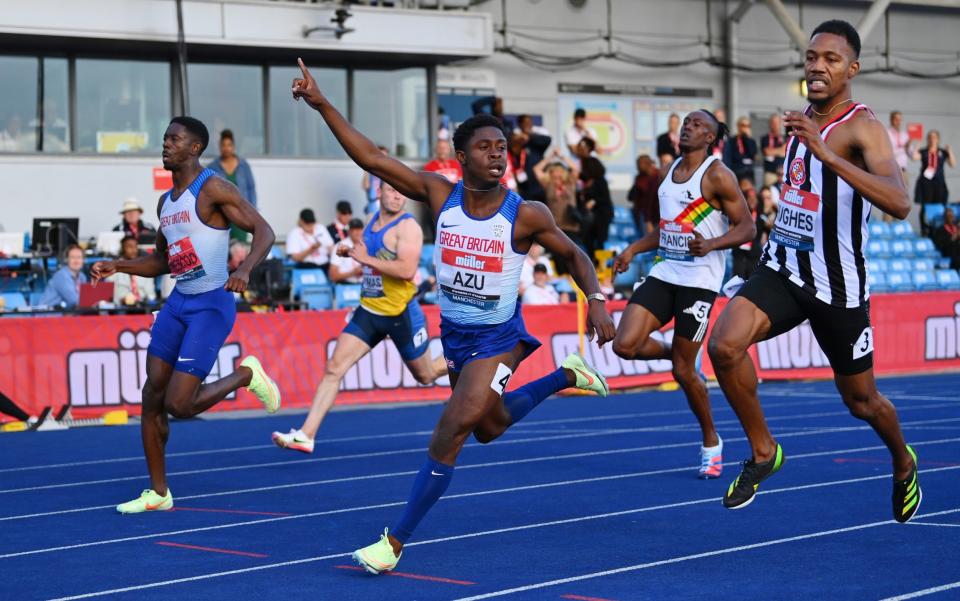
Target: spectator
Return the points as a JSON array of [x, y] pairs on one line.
[[776, 186], [63, 289], [131, 289], [444, 164], [643, 196], [774, 150], [668, 143], [308, 245], [237, 171], [493, 105], [541, 292], [535, 145], [741, 151], [239, 251], [720, 145], [932, 185], [578, 131], [534, 257], [746, 255], [338, 230], [767, 210], [595, 202], [133, 225], [371, 188], [900, 141], [525, 125], [558, 175], [343, 268], [947, 238]]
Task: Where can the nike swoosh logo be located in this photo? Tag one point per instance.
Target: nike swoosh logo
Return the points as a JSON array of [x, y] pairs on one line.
[[150, 507], [587, 376], [182, 359], [449, 224], [433, 473]]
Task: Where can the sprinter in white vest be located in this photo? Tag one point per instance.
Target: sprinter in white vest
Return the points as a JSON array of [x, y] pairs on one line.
[[192, 246], [702, 214], [483, 233]]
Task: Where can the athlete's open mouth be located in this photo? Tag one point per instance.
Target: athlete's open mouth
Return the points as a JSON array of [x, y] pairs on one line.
[[816, 84]]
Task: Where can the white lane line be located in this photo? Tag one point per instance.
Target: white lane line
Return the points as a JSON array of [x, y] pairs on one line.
[[565, 420], [493, 492], [609, 432], [514, 529], [924, 592], [913, 523], [682, 558]]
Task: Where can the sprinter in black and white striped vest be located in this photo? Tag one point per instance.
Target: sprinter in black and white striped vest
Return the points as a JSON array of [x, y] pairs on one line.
[[839, 165]]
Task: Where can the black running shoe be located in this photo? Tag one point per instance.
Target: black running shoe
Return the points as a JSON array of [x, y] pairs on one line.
[[744, 488], [906, 493]]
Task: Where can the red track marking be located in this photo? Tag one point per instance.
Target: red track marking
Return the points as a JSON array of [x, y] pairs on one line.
[[886, 461], [229, 511], [211, 549], [412, 576], [580, 598]]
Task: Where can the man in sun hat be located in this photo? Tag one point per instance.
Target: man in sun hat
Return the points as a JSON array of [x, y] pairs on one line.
[[132, 224]]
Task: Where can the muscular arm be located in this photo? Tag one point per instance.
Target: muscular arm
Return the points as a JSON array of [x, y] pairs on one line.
[[409, 245], [147, 266], [241, 213], [722, 187], [364, 152]]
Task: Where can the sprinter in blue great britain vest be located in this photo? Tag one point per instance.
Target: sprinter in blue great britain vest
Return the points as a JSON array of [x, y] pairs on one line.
[[483, 233], [192, 246]]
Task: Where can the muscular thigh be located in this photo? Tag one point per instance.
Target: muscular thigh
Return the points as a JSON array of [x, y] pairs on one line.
[[844, 335], [478, 387]]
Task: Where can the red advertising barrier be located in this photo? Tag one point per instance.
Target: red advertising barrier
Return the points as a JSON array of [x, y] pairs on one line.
[[99, 363]]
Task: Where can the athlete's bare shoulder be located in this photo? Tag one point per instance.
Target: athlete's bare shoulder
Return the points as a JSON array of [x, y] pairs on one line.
[[718, 183]]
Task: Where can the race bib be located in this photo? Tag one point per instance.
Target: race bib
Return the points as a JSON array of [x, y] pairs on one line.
[[470, 278], [183, 260], [371, 286], [675, 237], [796, 219]]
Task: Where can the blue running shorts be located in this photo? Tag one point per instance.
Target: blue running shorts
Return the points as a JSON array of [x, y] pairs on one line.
[[407, 330], [465, 343], [191, 328]]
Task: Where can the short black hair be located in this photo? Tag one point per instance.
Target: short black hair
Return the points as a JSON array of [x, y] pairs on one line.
[[589, 143], [195, 127], [539, 268], [344, 208], [579, 113], [842, 29], [355, 224], [226, 134], [127, 237], [465, 131]]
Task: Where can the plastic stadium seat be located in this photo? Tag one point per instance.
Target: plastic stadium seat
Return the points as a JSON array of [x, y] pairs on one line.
[[347, 295], [943, 262], [628, 231], [304, 278], [876, 229], [899, 265], [933, 214], [884, 230], [899, 281], [924, 280], [902, 229], [877, 281], [622, 215], [948, 279], [924, 247], [922, 265], [276, 252], [613, 231], [877, 265], [426, 254], [317, 297], [13, 300], [35, 298], [878, 249], [901, 249]]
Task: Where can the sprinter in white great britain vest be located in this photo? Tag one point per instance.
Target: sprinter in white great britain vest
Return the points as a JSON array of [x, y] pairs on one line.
[[483, 232], [839, 163], [187, 334], [702, 214]]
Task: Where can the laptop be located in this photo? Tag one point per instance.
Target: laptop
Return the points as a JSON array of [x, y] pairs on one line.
[[91, 295]]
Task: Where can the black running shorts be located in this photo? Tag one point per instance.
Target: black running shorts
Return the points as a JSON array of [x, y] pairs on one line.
[[690, 307]]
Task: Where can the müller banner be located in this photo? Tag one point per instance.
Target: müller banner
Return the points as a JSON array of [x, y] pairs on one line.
[[99, 363]]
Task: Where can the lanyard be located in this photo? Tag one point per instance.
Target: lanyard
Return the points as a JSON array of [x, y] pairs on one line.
[[933, 159], [523, 161], [740, 145], [773, 142]]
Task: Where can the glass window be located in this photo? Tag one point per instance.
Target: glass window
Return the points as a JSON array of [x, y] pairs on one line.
[[228, 97], [18, 102], [122, 106], [56, 106], [390, 107], [295, 128]]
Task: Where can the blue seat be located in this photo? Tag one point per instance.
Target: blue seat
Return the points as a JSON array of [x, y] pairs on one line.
[[276, 252], [878, 229], [899, 265], [622, 215], [924, 248], [933, 214], [924, 280], [877, 265], [13, 300], [923, 265], [878, 249], [948, 279], [628, 231], [35, 298], [877, 281], [902, 249], [347, 295], [899, 281], [943, 262], [628, 278], [902, 230], [615, 244], [307, 278], [613, 231], [426, 254], [317, 297]]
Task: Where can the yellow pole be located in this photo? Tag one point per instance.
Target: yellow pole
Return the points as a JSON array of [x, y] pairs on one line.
[[581, 317]]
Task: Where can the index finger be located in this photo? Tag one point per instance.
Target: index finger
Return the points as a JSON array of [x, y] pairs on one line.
[[303, 68]]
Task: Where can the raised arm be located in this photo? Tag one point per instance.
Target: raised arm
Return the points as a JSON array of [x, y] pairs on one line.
[[409, 244], [362, 150], [881, 182], [721, 185], [241, 213], [535, 220]]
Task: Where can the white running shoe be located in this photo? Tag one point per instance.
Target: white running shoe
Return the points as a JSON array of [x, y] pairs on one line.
[[296, 440], [711, 461]]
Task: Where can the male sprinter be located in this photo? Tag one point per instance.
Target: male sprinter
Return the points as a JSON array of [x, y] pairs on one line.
[[389, 256], [698, 198], [192, 246], [483, 233], [839, 162]]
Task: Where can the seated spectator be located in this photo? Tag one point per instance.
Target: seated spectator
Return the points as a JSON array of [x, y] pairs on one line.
[[63, 289], [343, 268], [338, 230], [133, 225], [131, 289], [444, 164], [541, 292], [534, 257], [309, 245], [947, 238], [643, 196], [558, 175]]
